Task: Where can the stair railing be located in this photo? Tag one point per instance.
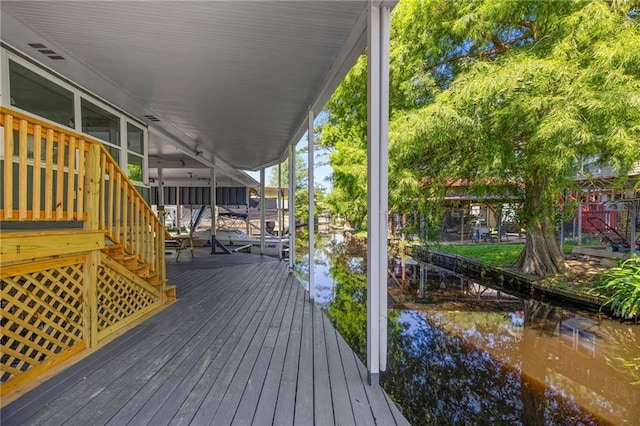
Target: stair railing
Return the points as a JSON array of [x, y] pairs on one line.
[[45, 171]]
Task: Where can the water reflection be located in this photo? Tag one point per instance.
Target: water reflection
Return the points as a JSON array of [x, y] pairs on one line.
[[469, 354]]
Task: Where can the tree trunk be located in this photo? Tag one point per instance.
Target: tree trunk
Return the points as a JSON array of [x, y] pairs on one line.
[[541, 255]]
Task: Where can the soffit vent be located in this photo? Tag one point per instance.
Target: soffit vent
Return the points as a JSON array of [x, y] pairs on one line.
[[51, 54]]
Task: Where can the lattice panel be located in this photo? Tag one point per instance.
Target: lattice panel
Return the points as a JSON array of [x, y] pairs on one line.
[[119, 298], [41, 317]]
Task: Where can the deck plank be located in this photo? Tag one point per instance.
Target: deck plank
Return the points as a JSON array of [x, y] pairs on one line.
[[157, 335], [359, 401], [286, 402], [342, 409], [377, 401], [396, 412], [110, 402], [303, 414], [200, 382], [242, 345], [262, 343], [73, 402], [323, 404], [259, 379], [24, 408], [266, 404], [188, 353], [162, 406], [113, 400]]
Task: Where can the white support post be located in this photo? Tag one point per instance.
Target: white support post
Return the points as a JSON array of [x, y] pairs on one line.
[[385, 29], [377, 168], [280, 210], [373, 194], [178, 211], [263, 226], [311, 207], [292, 207], [247, 221], [214, 216], [160, 200]]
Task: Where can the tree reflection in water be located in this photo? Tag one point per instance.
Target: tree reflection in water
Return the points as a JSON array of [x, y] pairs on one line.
[[439, 378], [437, 372]]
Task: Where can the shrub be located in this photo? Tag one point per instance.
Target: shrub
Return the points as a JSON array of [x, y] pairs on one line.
[[621, 287]]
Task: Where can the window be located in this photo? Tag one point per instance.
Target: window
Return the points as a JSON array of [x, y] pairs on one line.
[[135, 156], [103, 125], [135, 139], [39, 92], [34, 93], [134, 167]]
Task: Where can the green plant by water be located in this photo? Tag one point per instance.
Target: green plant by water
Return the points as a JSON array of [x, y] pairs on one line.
[[621, 286]]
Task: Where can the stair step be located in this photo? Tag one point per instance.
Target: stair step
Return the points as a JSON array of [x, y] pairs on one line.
[[153, 279], [116, 252], [142, 270], [130, 261], [170, 293]]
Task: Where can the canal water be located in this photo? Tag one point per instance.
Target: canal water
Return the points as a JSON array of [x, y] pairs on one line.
[[470, 354]]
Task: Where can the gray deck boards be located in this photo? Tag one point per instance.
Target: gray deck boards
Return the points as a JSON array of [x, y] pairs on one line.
[[242, 345]]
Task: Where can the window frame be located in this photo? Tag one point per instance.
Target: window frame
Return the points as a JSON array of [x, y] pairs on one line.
[[8, 53]]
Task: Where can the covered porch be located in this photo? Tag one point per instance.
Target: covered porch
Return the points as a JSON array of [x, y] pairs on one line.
[[101, 103], [241, 345]]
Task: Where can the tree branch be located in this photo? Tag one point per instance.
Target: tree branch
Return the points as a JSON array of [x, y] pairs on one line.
[[500, 48]]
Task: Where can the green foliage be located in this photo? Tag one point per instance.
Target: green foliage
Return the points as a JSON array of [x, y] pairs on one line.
[[302, 185], [508, 97], [348, 309], [134, 172], [348, 199], [523, 118], [621, 286], [300, 174], [302, 203], [344, 134]]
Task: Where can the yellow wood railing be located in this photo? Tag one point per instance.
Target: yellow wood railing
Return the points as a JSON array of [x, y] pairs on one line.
[[59, 153], [50, 164], [60, 293]]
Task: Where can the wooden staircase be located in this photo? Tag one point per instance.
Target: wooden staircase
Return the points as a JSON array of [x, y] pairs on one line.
[[142, 270], [68, 289]]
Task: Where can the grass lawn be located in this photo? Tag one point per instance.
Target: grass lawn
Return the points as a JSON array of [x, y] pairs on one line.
[[494, 254], [501, 255], [579, 278]]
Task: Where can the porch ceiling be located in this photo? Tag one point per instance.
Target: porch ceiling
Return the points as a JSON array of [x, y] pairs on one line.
[[230, 81]]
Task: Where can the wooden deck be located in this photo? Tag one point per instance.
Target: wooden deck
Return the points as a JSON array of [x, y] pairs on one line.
[[242, 345]]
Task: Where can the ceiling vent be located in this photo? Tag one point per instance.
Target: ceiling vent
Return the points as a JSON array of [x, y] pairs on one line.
[[51, 54], [152, 118]]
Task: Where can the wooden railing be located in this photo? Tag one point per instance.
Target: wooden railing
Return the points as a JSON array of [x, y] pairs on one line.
[[50, 164], [61, 292], [126, 218]]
